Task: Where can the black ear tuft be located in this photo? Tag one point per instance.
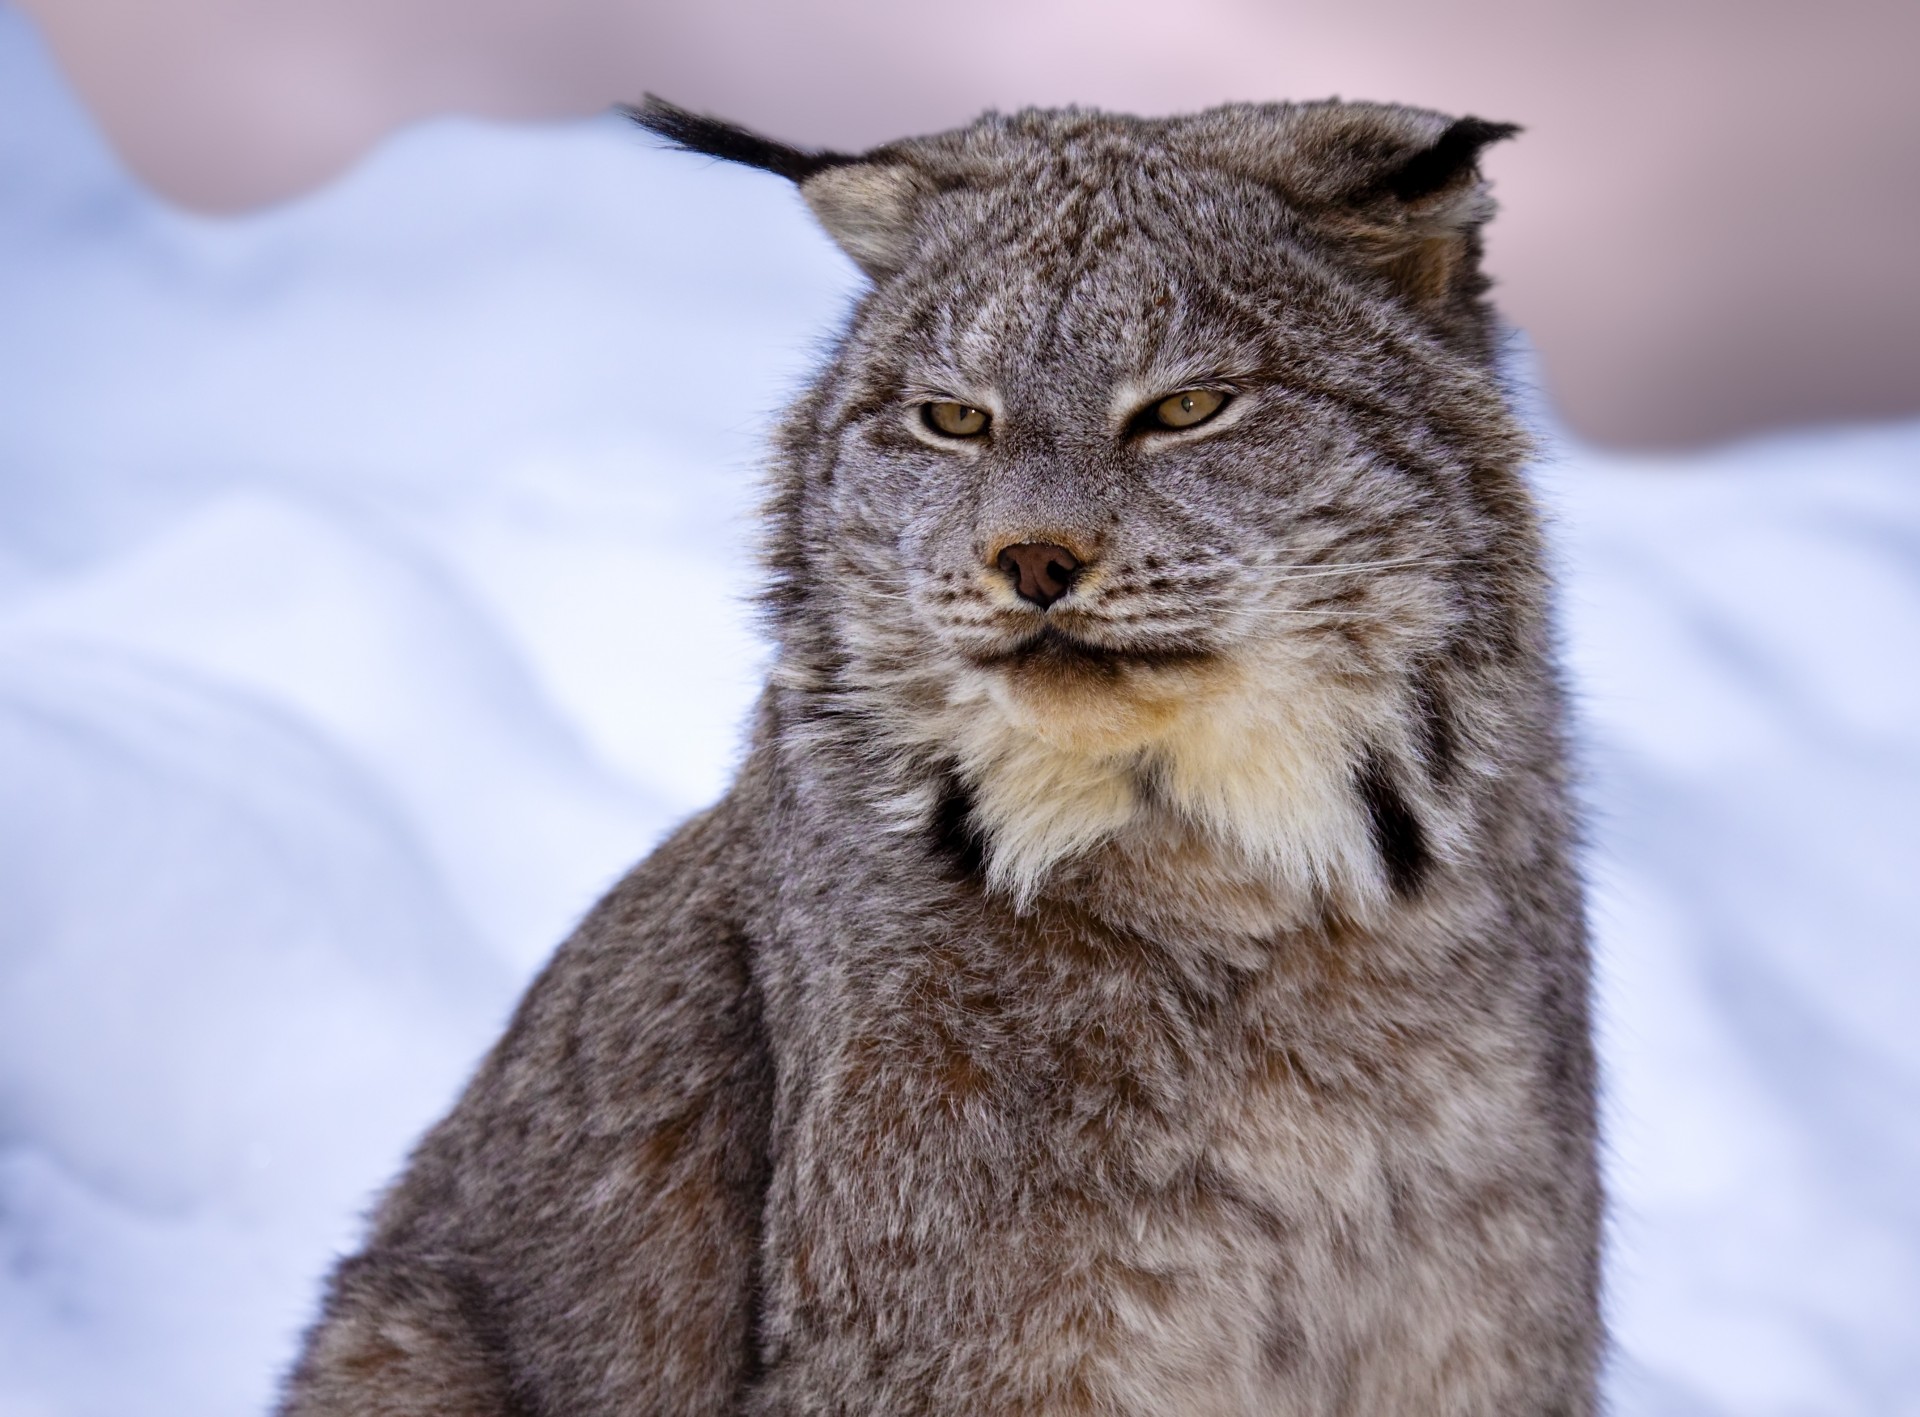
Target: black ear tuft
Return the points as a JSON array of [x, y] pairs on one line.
[[1451, 157], [695, 133]]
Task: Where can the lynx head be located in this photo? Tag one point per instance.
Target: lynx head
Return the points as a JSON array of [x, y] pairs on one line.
[[1160, 487]]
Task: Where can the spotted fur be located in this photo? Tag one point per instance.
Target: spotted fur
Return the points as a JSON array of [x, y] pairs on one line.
[[1171, 1000]]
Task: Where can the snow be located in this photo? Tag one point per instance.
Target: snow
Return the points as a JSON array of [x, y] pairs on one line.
[[1745, 631], [373, 579]]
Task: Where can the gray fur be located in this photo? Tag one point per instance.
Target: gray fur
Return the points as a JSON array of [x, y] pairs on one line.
[[1183, 1010]]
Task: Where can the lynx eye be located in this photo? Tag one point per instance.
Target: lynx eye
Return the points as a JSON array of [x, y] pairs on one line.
[[1185, 409], [955, 420]]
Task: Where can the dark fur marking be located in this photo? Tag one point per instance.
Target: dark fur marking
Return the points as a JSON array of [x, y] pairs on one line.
[[955, 834], [752, 1172], [1439, 735], [713, 137], [1283, 1343], [478, 1309], [1397, 833], [1451, 157]]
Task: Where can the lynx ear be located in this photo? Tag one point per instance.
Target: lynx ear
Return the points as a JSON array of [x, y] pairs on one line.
[[1418, 219], [866, 204], [868, 209], [1398, 190]]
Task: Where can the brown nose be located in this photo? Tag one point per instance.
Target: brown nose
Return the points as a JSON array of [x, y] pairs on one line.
[[1039, 570]]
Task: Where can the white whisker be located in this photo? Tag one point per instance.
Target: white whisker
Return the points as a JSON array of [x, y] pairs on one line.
[[1341, 568]]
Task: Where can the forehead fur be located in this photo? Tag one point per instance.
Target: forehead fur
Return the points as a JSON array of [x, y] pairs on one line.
[[1313, 152], [1388, 198], [1393, 192], [1095, 180]]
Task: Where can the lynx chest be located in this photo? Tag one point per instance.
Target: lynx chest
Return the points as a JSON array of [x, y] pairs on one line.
[[1081, 1178]]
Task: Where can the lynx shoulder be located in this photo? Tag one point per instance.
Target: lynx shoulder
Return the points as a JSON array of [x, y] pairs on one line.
[[1140, 967]]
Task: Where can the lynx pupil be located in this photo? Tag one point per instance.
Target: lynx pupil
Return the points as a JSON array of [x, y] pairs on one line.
[[1188, 408], [955, 420]]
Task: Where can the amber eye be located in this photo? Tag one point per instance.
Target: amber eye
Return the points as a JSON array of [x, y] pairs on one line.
[[1185, 409], [955, 420]]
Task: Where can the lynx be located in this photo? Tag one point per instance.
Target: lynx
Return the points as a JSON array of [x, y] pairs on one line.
[[1140, 967]]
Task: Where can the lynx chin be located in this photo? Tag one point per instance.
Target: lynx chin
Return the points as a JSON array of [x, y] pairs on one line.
[[1140, 967]]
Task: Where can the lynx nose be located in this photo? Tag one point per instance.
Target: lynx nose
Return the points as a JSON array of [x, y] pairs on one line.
[[1040, 571]]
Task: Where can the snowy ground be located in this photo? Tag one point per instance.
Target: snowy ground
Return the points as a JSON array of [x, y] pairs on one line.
[[371, 591]]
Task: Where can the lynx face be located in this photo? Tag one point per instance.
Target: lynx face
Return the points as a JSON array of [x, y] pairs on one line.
[[1153, 476]]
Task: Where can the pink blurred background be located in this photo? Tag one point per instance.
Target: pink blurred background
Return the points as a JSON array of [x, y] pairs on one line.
[[1707, 228]]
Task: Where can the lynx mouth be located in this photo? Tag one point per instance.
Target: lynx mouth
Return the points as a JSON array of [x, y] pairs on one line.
[[1052, 649]]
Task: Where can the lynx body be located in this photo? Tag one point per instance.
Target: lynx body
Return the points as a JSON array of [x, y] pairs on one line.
[[1140, 967]]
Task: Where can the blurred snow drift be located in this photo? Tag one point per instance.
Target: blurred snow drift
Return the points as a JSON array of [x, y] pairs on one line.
[[373, 581]]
